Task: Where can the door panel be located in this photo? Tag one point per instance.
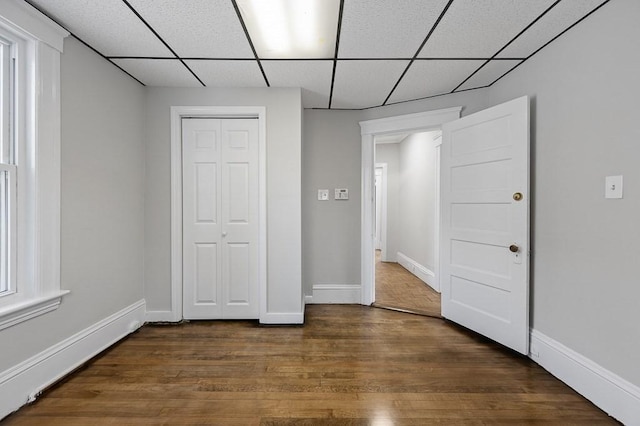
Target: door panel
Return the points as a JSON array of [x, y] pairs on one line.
[[485, 160], [238, 181], [206, 194], [220, 218], [238, 264], [201, 210], [240, 216], [206, 276]]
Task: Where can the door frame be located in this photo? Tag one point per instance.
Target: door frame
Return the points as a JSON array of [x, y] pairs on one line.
[[409, 123], [177, 114], [383, 210]]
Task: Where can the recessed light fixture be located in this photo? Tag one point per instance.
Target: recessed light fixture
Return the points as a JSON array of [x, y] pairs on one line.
[[291, 28]]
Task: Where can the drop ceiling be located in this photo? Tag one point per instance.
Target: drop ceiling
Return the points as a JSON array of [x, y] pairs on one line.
[[386, 51]]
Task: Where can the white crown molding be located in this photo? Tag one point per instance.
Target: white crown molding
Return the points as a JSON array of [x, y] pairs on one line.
[[18, 14]]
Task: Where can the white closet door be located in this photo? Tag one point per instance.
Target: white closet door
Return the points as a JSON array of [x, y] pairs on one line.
[[220, 218]]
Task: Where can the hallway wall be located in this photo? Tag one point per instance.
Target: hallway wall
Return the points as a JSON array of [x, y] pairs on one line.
[[418, 198]]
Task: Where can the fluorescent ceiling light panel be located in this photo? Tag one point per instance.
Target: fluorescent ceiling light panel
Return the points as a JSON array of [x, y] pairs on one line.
[[291, 28]]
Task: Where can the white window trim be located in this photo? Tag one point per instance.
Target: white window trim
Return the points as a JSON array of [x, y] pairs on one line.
[[38, 129]]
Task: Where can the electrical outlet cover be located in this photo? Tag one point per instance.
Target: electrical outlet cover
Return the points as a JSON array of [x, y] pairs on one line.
[[323, 195]]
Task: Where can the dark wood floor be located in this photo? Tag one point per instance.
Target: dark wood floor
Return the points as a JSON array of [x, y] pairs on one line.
[[397, 288], [349, 365]]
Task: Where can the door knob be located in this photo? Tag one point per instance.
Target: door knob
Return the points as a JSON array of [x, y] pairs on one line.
[[514, 248]]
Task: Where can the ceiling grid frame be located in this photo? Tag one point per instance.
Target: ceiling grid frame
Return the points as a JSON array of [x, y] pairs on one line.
[[253, 49], [553, 39], [433, 28], [554, 4], [335, 54], [162, 40], [64, 12]]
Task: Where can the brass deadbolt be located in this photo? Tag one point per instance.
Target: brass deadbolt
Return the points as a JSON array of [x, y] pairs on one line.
[[517, 196], [514, 248]]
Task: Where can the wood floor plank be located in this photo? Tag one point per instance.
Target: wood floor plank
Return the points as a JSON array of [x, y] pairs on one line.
[[348, 365]]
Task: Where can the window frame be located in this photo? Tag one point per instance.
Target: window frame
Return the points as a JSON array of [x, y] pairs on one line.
[[35, 156], [8, 169]]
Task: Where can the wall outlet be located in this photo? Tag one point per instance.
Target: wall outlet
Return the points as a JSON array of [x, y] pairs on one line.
[[323, 195]]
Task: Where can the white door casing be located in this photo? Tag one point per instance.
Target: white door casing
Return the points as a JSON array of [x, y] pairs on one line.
[[220, 218], [409, 123], [484, 163], [378, 210], [383, 168]]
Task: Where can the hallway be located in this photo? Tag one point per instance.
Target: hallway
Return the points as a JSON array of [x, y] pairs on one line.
[[397, 288]]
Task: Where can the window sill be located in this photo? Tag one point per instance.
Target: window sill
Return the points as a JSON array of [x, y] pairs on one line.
[[15, 314]]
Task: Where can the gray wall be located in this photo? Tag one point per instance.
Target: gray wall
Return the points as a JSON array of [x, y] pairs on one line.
[[418, 197], [331, 229], [585, 110], [284, 134], [102, 203]]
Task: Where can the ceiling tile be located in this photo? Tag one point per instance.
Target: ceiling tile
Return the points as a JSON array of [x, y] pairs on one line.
[[430, 78], [362, 84], [159, 72], [197, 28], [228, 73], [479, 29], [386, 29], [109, 26], [562, 16], [489, 73], [313, 76]]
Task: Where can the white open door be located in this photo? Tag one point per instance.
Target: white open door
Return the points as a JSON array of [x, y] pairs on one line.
[[485, 223]]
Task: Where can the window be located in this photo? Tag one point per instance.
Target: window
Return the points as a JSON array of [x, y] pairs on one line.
[[30, 47], [7, 171]]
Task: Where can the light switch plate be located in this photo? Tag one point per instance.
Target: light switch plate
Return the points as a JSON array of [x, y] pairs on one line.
[[613, 187], [341, 194], [323, 195]]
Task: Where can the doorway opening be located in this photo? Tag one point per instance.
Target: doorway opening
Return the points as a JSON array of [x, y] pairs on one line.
[[377, 129], [406, 224]]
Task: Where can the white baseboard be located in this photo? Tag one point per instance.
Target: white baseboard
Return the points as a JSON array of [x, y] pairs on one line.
[[282, 318], [425, 275], [24, 382], [337, 293], [308, 299], [160, 316], [613, 394]]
